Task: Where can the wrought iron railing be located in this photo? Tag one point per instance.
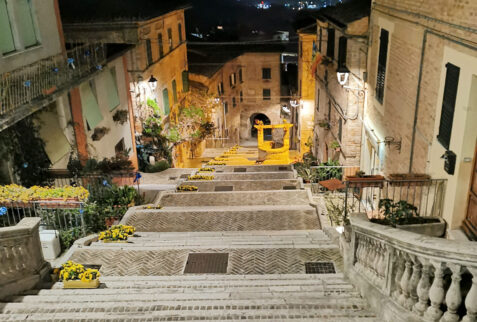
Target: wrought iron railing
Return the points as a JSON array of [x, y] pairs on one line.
[[44, 77]]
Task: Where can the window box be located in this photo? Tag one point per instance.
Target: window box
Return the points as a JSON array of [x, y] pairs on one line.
[[81, 284]]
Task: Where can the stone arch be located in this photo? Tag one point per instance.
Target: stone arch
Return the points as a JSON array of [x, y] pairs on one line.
[[265, 119]]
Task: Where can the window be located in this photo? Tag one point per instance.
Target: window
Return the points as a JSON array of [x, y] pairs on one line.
[[161, 45], [330, 46], [6, 37], [382, 61], [185, 81], [112, 89], [220, 88], [342, 51], [329, 111], [149, 52], [234, 102], [241, 96], [165, 99], [226, 107], [240, 75], [266, 73], [340, 129], [90, 105], [232, 80], [24, 23], [174, 91], [266, 94], [320, 40], [448, 105], [179, 29], [169, 37], [301, 49]]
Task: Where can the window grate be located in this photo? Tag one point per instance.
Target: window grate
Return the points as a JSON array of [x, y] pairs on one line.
[[320, 268], [207, 263]]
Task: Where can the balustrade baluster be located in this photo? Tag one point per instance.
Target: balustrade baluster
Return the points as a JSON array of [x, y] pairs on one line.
[[405, 280], [454, 294], [399, 271], [423, 289], [377, 257], [471, 298], [412, 287], [436, 293]]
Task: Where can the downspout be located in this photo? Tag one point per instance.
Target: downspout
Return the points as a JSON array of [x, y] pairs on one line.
[[416, 110]]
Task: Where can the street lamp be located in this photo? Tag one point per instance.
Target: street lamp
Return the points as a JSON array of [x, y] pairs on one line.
[[343, 74], [152, 82]]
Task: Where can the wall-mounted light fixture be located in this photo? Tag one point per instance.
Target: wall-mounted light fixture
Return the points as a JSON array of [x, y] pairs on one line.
[[294, 103], [391, 141], [152, 82], [342, 73]]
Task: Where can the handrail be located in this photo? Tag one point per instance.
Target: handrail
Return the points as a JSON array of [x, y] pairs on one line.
[[425, 277]]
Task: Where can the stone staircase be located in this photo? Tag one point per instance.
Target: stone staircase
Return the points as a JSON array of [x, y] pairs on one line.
[[269, 236], [294, 297]]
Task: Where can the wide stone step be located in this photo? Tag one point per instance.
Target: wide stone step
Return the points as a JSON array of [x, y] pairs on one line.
[[255, 168], [324, 307], [198, 240], [245, 185], [262, 176], [236, 198]]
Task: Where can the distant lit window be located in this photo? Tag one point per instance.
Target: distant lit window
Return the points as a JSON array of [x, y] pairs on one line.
[[161, 45], [149, 52], [266, 73], [169, 37], [232, 79], [266, 94]]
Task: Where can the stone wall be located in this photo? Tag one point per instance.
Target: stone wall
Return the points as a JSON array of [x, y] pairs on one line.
[[22, 266]]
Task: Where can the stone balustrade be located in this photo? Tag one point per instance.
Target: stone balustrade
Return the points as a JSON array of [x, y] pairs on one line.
[[22, 265], [411, 277]]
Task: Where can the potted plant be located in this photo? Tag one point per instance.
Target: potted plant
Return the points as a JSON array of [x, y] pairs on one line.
[[99, 133], [335, 207], [75, 275], [335, 145], [187, 188], [403, 215], [116, 234], [200, 177], [324, 124], [121, 116]]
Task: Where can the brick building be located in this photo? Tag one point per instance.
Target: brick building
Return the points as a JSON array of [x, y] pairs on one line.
[[422, 68], [247, 82], [341, 46]]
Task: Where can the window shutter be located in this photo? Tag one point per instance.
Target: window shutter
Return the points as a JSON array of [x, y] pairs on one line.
[[340, 129], [169, 35], [185, 81], [174, 91], [330, 47], [179, 29], [161, 45], [320, 40], [149, 52], [266, 94], [24, 22], [226, 107], [382, 61], [165, 98], [240, 75], [112, 88], [342, 51], [448, 105], [6, 37], [90, 106]]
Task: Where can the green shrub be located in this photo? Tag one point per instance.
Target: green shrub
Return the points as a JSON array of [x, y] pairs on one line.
[[158, 166]]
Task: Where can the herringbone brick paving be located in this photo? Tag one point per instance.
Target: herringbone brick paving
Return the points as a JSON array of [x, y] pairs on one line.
[[172, 262]]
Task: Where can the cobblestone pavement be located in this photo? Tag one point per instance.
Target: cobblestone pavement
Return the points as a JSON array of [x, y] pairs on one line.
[[172, 262]]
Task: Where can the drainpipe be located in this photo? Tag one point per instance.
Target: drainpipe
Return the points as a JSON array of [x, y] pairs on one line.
[[416, 110]]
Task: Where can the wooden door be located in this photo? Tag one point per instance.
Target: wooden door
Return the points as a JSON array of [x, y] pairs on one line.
[[470, 223]]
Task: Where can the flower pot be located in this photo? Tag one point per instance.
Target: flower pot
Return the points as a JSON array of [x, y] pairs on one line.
[[106, 241], [81, 284], [365, 181], [435, 229]]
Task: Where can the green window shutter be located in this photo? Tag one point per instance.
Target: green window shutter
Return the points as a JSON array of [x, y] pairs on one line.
[[112, 89], [174, 91], [185, 81], [90, 106], [24, 22], [6, 38], [448, 105], [165, 97]]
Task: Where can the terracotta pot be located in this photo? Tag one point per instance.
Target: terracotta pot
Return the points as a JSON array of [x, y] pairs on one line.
[[81, 284]]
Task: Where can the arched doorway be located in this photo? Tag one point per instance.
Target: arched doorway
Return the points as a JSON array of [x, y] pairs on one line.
[[267, 133]]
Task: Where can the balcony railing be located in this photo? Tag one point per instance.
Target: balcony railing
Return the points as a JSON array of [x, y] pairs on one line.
[[44, 77], [411, 277]]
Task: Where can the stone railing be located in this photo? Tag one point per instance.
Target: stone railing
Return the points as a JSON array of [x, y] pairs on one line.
[[411, 277], [21, 259]]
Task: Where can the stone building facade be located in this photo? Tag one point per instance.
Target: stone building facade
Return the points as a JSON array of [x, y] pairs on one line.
[[341, 44], [306, 86], [248, 86], [422, 75]]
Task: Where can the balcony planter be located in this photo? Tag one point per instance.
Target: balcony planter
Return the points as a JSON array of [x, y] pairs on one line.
[[365, 181], [81, 284], [122, 178], [432, 229], [409, 179]]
